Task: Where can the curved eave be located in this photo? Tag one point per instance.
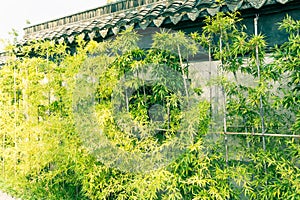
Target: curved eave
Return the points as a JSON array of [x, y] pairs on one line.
[[154, 14]]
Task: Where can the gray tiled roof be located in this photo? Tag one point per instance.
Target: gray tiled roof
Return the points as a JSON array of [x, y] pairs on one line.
[[110, 19]]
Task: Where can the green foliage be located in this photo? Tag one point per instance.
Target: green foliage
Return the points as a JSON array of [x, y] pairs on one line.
[[44, 155], [275, 83], [287, 63]]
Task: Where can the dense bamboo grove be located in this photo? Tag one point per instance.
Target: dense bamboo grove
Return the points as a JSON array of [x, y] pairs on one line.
[[67, 118]]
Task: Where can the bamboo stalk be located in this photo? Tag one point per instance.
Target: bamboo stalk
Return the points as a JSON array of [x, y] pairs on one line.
[[15, 121], [210, 87], [183, 74], [261, 106], [3, 150], [224, 99]]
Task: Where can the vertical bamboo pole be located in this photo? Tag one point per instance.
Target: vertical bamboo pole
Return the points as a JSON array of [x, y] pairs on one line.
[[15, 120], [126, 95], [3, 147], [209, 78], [246, 131], [224, 99], [261, 107], [183, 74], [25, 81], [48, 67], [49, 99]]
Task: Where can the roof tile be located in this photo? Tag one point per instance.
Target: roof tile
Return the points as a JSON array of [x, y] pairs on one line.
[[257, 3], [133, 12]]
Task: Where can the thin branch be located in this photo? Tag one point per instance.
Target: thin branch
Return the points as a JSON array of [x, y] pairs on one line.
[[258, 134], [183, 74]]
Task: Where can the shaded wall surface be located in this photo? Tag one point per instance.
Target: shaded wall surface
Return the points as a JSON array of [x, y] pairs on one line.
[[269, 17]]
